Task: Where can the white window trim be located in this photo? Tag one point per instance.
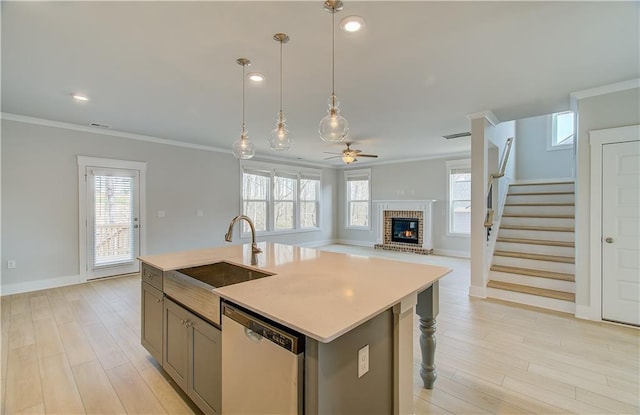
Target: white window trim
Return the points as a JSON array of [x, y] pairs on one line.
[[273, 169], [347, 175], [551, 120], [451, 165]]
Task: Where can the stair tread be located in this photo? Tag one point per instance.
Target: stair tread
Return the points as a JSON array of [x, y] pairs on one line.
[[539, 204], [539, 193], [543, 292], [537, 257], [538, 228], [532, 215], [541, 183], [534, 272], [536, 242]]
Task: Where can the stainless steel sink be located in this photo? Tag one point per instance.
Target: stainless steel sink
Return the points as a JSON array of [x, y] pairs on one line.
[[223, 273], [194, 287]]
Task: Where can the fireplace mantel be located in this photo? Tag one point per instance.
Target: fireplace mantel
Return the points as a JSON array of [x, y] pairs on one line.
[[424, 206]]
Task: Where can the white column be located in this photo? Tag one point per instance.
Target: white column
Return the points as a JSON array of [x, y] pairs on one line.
[[482, 126]]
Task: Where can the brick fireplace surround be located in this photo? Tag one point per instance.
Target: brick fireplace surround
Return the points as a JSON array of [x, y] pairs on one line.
[[390, 211]]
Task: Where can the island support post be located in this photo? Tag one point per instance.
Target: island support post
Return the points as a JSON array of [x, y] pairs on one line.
[[427, 309]]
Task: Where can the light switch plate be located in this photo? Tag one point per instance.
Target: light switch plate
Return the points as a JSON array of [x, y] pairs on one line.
[[363, 361]]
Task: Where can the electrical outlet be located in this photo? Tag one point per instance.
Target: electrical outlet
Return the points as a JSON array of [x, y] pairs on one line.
[[11, 264], [161, 213], [199, 212], [363, 361]]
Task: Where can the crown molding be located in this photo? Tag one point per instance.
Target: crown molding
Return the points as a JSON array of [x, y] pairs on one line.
[[487, 115], [606, 89], [113, 133]]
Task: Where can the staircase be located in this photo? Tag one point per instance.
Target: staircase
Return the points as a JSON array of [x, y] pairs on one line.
[[533, 262]]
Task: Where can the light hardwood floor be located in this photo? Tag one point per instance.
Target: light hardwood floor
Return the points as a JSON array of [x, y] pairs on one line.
[[76, 350]]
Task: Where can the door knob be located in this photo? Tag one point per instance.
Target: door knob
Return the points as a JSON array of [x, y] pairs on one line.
[[608, 240]]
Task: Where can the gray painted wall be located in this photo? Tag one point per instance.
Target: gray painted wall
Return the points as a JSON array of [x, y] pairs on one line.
[[533, 160], [612, 110], [411, 180], [40, 197]]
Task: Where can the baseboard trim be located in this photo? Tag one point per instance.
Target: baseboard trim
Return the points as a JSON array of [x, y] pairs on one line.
[[367, 244], [479, 292], [25, 287], [451, 252], [587, 313]]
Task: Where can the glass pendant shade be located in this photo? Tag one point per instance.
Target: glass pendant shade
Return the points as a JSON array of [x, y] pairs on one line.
[[243, 148], [333, 128], [280, 139]]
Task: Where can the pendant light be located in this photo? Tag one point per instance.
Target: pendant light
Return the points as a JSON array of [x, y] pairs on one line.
[[280, 139], [333, 127], [243, 148]]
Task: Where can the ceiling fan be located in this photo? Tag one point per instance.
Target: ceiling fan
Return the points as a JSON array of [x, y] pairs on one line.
[[349, 155]]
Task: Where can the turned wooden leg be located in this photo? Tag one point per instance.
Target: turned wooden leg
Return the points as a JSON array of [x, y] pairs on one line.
[[427, 309], [428, 348]]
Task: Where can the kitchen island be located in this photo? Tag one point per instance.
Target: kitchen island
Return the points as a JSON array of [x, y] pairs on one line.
[[328, 297]]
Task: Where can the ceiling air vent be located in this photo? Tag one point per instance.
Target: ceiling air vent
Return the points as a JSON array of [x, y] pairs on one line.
[[98, 125], [459, 135]]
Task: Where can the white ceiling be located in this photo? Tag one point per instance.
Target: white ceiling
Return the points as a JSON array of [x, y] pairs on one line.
[[167, 69]]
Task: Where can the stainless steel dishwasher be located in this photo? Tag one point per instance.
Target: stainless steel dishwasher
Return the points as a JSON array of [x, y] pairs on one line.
[[262, 365]]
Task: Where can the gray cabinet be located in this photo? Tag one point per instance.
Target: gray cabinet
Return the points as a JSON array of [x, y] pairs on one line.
[[192, 356], [151, 320]]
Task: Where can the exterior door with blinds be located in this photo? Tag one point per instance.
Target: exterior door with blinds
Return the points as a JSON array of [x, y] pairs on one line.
[[113, 221]]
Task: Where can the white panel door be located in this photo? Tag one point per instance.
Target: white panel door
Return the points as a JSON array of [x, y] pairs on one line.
[[113, 225], [621, 232]]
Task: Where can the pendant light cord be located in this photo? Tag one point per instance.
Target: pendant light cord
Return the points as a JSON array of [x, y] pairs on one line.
[[243, 126], [333, 51], [281, 41]]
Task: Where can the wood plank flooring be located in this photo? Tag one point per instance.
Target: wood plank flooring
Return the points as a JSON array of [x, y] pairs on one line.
[[76, 349]]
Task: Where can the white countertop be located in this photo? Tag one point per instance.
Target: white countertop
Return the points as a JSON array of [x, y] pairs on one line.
[[320, 294]]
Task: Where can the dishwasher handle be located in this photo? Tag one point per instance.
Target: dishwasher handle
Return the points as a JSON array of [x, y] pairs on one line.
[[252, 335]]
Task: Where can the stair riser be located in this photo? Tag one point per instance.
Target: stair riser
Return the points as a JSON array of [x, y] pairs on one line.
[[540, 198], [539, 210], [540, 235], [527, 221], [565, 187], [535, 249], [534, 264], [533, 300], [556, 285]]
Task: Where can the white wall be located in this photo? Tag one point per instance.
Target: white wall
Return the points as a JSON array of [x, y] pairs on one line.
[[40, 199], [610, 110], [411, 180], [534, 161]]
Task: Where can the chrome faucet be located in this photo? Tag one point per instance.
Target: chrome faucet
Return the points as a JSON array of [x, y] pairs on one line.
[[228, 236]]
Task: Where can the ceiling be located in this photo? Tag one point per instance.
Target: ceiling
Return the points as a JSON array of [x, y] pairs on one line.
[[168, 70]]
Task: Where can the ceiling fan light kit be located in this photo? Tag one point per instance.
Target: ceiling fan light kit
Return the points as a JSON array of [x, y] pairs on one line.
[[333, 128], [243, 148], [280, 138]]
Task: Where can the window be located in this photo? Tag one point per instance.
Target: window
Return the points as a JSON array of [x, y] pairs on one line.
[[358, 188], [309, 201], [280, 198], [459, 197], [562, 132]]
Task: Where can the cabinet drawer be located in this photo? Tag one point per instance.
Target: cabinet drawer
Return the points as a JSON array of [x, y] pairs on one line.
[[152, 276]]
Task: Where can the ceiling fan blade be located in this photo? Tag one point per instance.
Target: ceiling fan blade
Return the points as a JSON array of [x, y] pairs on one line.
[[332, 157], [330, 152], [368, 155]]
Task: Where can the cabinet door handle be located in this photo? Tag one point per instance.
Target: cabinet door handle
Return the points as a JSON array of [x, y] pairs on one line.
[[158, 300]]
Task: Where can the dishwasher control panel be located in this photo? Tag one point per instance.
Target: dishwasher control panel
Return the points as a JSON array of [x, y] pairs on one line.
[[264, 328]]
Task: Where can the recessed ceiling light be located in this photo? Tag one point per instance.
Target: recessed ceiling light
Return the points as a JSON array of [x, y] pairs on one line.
[[352, 23], [79, 97], [256, 76]]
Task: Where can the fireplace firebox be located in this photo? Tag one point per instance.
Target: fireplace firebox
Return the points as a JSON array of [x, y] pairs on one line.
[[405, 230]]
